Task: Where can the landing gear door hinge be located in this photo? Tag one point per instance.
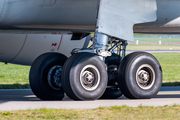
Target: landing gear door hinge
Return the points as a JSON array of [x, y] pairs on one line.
[[117, 17]]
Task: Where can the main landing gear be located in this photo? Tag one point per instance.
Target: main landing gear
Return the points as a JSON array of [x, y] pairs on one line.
[[97, 73]]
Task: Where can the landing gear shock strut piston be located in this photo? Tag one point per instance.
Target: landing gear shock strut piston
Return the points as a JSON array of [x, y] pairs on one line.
[[100, 45]]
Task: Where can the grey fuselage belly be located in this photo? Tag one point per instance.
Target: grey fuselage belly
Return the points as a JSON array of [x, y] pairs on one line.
[[77, 15]]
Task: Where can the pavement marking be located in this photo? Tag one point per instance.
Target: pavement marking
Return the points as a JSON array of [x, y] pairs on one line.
[[168, 94]]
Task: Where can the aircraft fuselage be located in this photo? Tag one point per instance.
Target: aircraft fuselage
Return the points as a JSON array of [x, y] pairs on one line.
[[77, 15]]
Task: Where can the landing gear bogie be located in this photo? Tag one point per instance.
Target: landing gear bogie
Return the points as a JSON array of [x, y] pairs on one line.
[[96, 72]]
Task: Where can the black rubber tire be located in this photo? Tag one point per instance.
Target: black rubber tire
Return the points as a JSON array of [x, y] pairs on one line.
[[71, 76], [38, 76], [115, 92], [112, 60], [127, 78], [111, 93]]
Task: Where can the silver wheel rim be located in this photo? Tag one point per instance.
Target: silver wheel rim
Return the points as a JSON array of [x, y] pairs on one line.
[[90, 77], [54, 77], [145, 76]]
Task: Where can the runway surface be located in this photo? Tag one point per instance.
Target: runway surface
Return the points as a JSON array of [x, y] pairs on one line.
[[23, 99]]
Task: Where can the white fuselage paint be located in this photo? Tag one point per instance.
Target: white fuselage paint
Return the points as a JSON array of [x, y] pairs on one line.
[[25, 48]]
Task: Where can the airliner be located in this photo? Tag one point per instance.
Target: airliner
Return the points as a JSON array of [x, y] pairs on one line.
[[53, 36]]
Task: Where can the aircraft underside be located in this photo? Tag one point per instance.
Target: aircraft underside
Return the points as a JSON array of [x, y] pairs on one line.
[[56, 15], [96, 71]]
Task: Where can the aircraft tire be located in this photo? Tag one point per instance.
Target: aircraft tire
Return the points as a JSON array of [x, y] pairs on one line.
[[84, 77], [45, 76], [140, 76], [111, 93], [114, 92], [112, 63]]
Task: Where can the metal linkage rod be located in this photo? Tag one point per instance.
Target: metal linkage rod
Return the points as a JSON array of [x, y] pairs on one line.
[[114, 46], [124, 44]]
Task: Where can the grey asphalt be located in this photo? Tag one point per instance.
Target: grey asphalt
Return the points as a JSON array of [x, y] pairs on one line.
[[23, 99]]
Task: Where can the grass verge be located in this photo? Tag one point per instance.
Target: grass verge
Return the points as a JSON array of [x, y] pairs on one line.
[[157, 39], [15, 86], [112, 113], [175, 83], [170, 66], [152, 47]]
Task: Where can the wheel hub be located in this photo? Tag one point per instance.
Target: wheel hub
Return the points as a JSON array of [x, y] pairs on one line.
[[54, 77], [90, 77], [112, 69], [145, 77]]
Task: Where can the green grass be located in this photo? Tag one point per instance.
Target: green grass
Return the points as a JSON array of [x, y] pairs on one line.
[[170, 63], [15, 86], [102, 113], [156, 39], [152, 47], [17, 76], [10, 74], [171, 83]]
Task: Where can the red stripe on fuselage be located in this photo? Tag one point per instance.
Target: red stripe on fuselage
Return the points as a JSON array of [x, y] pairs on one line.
[[60, 42]]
